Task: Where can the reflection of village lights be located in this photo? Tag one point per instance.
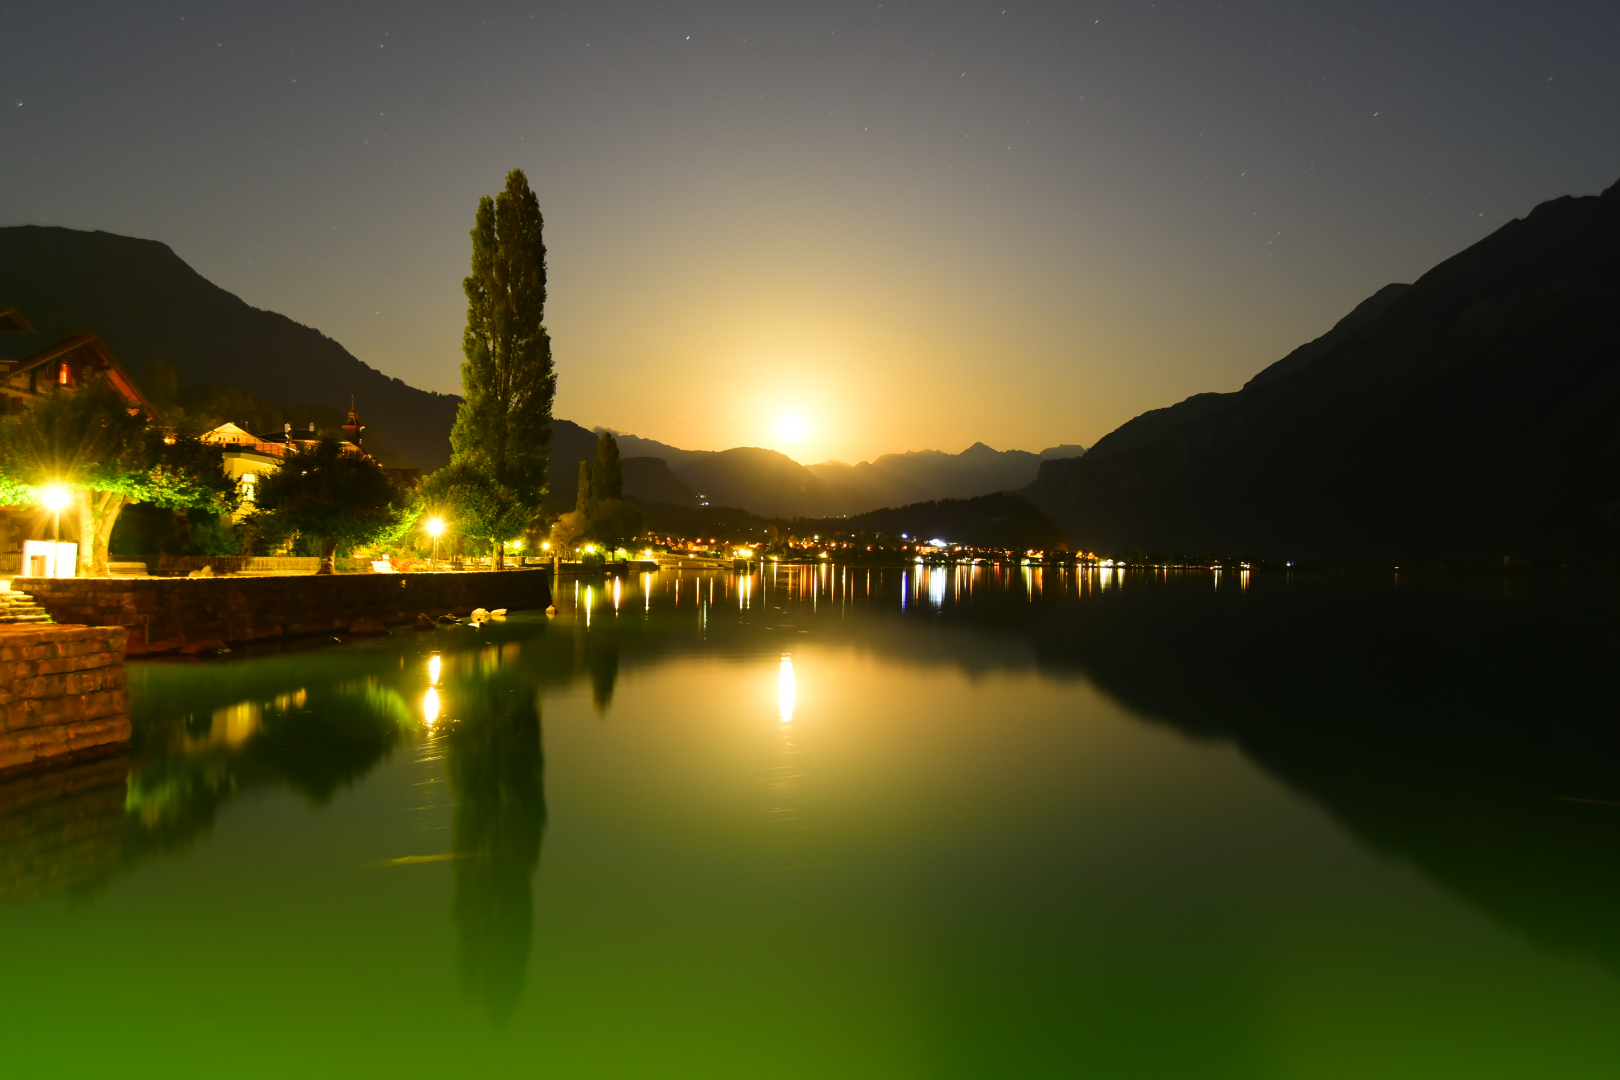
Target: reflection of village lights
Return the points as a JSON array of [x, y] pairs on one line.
[[786, 689], [430, 705], [434, 663]]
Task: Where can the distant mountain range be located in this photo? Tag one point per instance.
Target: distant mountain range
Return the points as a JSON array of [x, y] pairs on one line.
[[1473, 415], [771, 484], [149, 306]]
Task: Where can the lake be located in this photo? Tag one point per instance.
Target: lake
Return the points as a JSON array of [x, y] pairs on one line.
[[838, 821]]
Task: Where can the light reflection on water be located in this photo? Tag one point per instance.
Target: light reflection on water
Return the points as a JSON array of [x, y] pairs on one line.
[[1096, 821]]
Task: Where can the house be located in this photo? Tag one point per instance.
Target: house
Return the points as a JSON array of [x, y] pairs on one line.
[[32, 363], [248, 456]]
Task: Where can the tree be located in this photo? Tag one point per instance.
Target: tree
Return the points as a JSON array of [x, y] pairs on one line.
[[607, 474], [90, 441], [324, 493], [614, 523], [503, 426], [584, 498], [477, 505]]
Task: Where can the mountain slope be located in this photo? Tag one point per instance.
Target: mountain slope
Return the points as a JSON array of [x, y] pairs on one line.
[[758, 480], [148, 305], [922, 475], [1474, 415]]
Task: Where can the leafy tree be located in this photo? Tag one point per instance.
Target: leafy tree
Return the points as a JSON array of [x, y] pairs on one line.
[[615, 523], [341, 500], [477, 506], [91, 442], [503, 427]]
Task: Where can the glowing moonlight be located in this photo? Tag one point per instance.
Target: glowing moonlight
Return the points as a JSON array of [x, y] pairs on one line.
[[791, 428]]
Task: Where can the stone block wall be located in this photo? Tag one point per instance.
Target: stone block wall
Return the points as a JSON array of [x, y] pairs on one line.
[[164, 614], [62, 691]]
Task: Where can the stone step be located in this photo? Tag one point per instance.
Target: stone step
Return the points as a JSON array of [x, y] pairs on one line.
[[17, 606]]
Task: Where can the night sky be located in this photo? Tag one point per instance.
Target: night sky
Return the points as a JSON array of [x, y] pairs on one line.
[[909, 224]]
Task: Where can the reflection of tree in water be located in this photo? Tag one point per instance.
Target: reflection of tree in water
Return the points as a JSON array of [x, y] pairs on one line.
[[604, 667], [596, 652], [494, 762]]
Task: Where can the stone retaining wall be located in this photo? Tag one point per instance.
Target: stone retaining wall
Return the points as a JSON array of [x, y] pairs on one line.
[[164, 614], [62, 691]]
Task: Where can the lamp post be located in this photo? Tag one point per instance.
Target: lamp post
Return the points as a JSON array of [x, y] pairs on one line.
[[435, 526], [55, 497]]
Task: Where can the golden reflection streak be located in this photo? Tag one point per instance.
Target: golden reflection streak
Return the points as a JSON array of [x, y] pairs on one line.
[[430, 705], [786, 690]]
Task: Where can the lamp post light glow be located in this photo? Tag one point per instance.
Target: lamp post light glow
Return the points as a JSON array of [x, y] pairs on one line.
[[55, 497], [435, 526]]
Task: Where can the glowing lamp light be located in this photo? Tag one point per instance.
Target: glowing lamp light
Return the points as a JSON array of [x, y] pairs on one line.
[[435, 526], [56, 497], [545, 545]]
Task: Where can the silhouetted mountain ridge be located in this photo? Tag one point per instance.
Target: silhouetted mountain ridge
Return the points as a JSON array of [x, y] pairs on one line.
[[1473, 415], [148, 305]]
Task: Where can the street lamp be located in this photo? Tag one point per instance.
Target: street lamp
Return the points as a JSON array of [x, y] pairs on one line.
[[55, 497], [435, 526]]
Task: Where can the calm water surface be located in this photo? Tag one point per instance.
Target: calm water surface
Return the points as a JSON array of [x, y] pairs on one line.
[[853, 823]]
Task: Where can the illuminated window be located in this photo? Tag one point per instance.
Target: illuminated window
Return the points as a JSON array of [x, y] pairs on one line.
[[62, 375]]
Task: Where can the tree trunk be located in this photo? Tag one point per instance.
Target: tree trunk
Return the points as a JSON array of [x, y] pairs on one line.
[[108, 505], [497, 560], [328, 549], [87, 531]]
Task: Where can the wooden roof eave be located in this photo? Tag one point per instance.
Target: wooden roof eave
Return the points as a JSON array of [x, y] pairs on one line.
[[105, 360]]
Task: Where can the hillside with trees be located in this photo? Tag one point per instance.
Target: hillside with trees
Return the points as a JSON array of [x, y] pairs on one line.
[[166, 322]]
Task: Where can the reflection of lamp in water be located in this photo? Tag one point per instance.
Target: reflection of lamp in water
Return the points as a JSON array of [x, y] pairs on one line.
[[430, 704], [785, 689], [434, 665]]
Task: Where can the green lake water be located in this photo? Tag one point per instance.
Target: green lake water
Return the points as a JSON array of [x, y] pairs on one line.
[[839, 822]]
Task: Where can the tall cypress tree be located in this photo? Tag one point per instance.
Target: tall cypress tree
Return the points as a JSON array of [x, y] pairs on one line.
[[503, 427], [607, 476], [585, 497]]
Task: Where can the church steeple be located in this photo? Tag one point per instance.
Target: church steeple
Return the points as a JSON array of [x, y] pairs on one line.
[[352, 427]]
